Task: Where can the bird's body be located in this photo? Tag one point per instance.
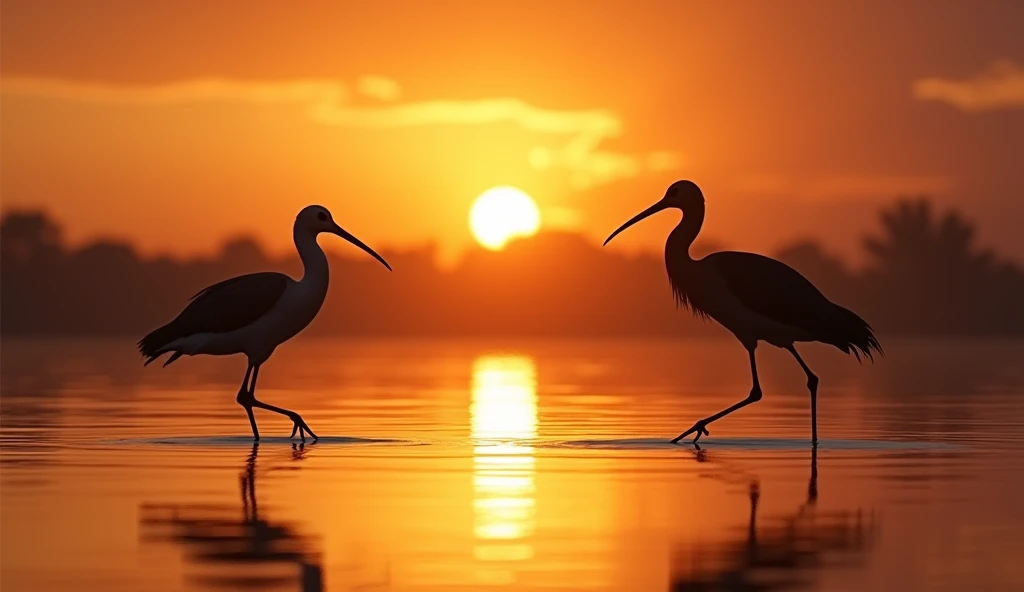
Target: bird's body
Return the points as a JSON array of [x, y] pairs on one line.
[[253, 314], [755, 297]]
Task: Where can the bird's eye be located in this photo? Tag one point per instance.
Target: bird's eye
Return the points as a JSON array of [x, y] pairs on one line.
[[321, 217]]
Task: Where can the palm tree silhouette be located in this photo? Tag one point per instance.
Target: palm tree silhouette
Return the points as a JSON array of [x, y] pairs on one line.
[[927, 271], [915, 240]]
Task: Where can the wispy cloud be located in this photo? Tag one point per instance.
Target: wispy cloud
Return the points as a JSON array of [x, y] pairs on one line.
[[379, 87], [329, 102], [1001, 86], [580, 154]]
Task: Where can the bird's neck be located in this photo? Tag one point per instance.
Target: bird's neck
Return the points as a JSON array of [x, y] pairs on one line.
[[314, 261], [686, 231]]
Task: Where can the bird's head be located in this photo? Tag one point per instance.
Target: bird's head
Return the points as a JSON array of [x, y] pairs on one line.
[[313, 220], [684, 195]]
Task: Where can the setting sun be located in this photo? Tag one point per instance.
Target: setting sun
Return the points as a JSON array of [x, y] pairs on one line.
[[501, 213]]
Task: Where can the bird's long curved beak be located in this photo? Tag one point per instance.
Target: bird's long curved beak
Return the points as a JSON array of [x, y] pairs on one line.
[[644, 214], [338, 230]]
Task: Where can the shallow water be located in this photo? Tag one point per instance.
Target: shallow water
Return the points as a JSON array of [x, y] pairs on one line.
[[458, 465]]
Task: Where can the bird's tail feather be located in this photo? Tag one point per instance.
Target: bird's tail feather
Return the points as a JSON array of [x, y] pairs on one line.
[[852, 334], [154, 345], [174, 356]]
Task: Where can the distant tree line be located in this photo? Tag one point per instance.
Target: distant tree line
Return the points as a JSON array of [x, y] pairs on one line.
[[925, 274]]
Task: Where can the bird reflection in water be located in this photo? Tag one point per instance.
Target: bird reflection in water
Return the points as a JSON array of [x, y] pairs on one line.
[[503, 416], [783, 555], [253, 553]]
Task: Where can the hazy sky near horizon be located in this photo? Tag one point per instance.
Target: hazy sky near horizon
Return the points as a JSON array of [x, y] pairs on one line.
[[177, 124]]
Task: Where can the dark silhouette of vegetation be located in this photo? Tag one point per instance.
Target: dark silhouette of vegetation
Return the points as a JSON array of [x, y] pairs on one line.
[[941, 277], [925, 275]]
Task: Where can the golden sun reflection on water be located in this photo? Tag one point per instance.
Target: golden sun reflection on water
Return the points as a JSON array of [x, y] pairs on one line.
[[503, 412]]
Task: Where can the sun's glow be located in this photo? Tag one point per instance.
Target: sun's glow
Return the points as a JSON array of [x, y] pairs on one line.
[[502, 213]]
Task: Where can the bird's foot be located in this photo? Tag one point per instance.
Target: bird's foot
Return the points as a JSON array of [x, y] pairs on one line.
[[299, 425], [701, 428]]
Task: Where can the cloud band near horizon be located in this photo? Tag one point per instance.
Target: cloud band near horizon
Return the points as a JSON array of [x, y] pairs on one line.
[[332, 102], [999, 87]]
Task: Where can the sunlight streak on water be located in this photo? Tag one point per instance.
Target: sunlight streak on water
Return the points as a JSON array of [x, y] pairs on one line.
[[503, 410]]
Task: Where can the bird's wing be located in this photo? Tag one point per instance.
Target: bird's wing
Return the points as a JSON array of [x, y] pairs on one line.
[[221, 308], [771, 288], [233, 303]]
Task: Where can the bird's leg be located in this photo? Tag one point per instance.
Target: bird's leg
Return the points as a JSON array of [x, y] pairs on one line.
[[701, 427], [245, 399], [812, 385], [298, 424], [812, 484]]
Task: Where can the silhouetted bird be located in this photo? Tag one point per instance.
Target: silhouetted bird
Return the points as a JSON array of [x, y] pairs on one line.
[[252, 314], [754, 297]]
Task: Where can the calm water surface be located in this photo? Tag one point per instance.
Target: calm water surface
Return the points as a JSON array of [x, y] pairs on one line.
[[451, 465]]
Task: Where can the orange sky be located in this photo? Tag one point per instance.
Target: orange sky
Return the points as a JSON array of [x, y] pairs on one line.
[[175, 124]]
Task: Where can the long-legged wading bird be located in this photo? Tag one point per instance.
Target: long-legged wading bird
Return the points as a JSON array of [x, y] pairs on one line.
[[754, 297], [253, 314]]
